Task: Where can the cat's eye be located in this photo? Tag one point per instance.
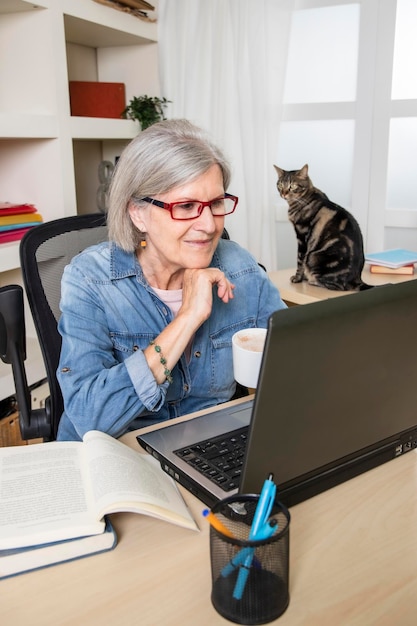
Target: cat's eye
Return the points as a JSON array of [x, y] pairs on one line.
[[293, 187]]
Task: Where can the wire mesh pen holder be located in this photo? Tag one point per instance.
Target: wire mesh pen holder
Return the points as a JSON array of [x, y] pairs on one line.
[[250, 579]]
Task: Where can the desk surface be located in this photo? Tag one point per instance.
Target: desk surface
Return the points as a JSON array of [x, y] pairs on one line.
[[303, 293], [353, 562]]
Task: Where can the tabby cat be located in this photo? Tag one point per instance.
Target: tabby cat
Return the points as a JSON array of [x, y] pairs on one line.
[[330, 245]]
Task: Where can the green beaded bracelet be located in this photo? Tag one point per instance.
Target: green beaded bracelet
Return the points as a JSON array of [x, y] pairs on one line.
[[163, 361]]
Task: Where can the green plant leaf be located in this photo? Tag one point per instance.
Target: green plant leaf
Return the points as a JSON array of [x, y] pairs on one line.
[[146, 109]]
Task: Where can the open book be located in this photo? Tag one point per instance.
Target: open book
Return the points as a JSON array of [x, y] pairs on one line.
[[63, 489]]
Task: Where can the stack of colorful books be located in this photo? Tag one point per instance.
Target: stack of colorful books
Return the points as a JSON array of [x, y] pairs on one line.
[[16, 220], [397, 261]]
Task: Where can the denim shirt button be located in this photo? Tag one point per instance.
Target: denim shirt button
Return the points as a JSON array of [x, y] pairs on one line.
[[186, 387], [135, 348], [197, 354]]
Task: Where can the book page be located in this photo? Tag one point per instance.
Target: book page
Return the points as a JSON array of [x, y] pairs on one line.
[[126, 480], [43, 496]]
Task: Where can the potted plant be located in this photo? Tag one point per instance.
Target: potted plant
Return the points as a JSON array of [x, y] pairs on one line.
[[146, 109]]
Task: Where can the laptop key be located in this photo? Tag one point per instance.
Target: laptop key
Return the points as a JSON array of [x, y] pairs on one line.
[[219, 459]]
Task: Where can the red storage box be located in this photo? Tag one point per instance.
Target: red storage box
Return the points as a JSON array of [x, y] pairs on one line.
[[92, 99]]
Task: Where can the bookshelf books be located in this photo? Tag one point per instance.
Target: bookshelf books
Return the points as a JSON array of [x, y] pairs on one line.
[[63, 489], [16, 220]]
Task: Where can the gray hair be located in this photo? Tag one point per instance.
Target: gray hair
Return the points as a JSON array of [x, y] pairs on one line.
[[164, 156]]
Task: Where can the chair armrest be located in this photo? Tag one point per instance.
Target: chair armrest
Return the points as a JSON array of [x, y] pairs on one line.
[[33, 424]]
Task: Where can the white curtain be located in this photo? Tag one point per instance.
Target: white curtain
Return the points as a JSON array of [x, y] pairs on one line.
[[222, 63]]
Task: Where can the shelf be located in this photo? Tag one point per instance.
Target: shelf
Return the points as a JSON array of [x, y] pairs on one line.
[[99, 128], [9, 256], [94, 25], [86, 33], [22, 126], [48, 157], [15, 6]]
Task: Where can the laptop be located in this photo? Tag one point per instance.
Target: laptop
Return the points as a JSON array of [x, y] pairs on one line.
[[336, 396]]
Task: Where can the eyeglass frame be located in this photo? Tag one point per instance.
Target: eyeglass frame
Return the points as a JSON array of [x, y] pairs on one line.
[[169, 205]]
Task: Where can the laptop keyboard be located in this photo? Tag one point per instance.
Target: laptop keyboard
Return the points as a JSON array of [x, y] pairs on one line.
[[219, 459]]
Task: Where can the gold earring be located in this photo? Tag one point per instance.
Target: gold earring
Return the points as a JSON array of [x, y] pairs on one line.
[[143, 243]]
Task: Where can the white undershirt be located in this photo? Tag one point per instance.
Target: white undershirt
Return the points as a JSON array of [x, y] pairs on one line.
[[173, 299]]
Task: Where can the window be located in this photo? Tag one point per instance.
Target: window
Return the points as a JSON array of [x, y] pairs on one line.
[[350, 112], [402, 153], [323, 55]]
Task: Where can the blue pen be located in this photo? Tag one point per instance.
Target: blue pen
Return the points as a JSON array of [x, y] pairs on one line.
[[260, 529], [247, 564], [242, 555], [264, 507]]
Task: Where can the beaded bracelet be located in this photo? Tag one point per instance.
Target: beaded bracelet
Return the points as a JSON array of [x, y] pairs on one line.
[[163, 361]]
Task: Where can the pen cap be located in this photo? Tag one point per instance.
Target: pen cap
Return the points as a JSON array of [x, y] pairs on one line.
[[264, 596]]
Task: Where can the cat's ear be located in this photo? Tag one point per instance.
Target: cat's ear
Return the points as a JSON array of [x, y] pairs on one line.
[[279, 171], [303, 172]]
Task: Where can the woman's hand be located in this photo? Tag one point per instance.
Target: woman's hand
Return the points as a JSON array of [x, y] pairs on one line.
[[197, 292], [197, 302]]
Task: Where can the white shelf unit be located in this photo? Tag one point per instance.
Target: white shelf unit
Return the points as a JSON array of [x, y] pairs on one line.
[[47, 157]]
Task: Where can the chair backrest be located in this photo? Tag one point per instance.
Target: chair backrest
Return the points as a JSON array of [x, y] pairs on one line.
[[44, 252]]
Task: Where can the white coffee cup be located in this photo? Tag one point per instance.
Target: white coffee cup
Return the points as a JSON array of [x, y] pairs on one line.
[[247, 346]]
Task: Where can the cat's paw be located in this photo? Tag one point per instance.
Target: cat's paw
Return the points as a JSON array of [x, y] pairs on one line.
[[296, 278]]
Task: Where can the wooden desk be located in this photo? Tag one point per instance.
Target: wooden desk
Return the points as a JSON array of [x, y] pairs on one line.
[[353, 562], [303, 293]]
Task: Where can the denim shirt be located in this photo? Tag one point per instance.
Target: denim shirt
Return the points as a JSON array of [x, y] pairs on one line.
[[110, 314]]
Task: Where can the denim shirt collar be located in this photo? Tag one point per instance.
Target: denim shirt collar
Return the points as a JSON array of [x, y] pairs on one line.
[[122, 263]]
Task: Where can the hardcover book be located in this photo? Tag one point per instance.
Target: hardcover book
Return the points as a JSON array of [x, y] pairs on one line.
[[404, 270], [397, 257], [7, 208], [15, 561]]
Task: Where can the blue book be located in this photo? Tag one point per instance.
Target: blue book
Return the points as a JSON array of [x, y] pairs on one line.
[[392, 258], [15, 561]]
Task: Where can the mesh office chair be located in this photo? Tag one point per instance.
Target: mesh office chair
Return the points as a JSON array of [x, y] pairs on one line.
[[44, 252]]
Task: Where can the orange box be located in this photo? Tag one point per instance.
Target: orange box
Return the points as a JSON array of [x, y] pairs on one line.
[[93, 99]]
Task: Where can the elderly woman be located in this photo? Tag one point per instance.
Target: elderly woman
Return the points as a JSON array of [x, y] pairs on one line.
[[148, 317]]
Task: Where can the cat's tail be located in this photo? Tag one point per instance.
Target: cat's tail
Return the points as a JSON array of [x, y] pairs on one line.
[[364, 286]]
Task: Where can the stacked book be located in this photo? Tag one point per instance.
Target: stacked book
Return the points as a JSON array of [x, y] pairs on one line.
[[396, 261], [55, 499], [16, 220]]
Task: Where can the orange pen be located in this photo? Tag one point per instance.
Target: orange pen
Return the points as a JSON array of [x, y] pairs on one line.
[[216, 523]]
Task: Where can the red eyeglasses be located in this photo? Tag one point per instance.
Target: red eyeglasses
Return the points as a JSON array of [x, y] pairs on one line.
[[191, 209]]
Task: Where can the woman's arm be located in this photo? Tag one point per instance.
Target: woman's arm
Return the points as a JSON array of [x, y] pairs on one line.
[[110, 375]]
